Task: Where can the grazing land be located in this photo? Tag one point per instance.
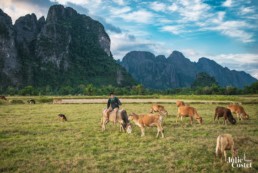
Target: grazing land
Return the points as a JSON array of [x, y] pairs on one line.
[[33, 139]]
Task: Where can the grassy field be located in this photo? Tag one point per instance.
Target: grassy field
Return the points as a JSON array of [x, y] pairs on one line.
[[32, 139]]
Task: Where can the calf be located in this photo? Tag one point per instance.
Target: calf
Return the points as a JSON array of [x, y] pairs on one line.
[[239, 110], [148, 120], [225, 142], [158, 108], [3, 98], [187, 111], [62, 117], [31, 101], [226, 113]]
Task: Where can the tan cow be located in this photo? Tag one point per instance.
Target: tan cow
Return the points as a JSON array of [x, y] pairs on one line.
[[225, 142], [121, 118], [148, 120], [187, 111], [239, 110], [159, 108]]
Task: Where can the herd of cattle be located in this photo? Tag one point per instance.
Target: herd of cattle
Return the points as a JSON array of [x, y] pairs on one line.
[[158, 113]]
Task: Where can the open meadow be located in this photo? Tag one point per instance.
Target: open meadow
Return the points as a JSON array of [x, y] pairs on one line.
[[33, 139]]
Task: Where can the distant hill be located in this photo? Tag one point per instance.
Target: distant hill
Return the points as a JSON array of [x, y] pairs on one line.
[[177, 71], [66, 48]]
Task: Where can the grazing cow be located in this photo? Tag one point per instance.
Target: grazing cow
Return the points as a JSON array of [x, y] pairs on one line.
[[62, 117], [116, 117], [187, 111], [225, 142], [31, 101], [158, 108], [239, 110], [180, 103], [3, 98], [148, 120], [226, 113]]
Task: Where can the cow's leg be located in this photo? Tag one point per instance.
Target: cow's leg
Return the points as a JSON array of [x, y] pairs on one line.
[[151, 111], [115, 112], [160, 130], [215, 116], [142, 131], [191, 120], [178, 115], [225, 155]]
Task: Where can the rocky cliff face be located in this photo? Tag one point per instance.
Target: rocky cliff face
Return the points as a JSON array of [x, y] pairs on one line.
[[177, 71], [65, 49], [9, 64]]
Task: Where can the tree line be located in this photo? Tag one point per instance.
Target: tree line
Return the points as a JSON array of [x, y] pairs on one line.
[[139, 89]]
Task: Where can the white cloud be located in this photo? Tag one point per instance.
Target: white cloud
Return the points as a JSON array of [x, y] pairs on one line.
[[140, 16], [241, 62], [173, 29], [21, 8], [246, 10], [227, 3], [173, 7], [157, 6], [234, 29], [118, 11], [119, 2]]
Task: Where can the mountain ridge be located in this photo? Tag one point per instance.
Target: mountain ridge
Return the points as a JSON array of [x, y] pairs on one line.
[[177, 71], [66, 48]]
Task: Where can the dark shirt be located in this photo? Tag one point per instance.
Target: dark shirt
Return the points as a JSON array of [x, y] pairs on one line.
[[114, 103]]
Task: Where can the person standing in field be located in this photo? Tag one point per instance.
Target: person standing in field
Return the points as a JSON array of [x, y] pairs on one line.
[[113, 105]]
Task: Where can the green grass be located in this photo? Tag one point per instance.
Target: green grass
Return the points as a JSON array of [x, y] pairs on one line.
[[32, 139]]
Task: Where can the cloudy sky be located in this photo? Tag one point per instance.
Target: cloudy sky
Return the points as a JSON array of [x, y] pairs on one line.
[[223, 30]]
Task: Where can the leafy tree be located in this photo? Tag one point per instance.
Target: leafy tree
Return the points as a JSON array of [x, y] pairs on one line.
[[203, 80], [28, 90]]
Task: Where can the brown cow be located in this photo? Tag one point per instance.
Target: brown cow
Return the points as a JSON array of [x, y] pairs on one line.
[[158, 108], [148, 120], [3, 98], [225, 142], [239, 110], [187, 111], [226, 113], [116, 117]]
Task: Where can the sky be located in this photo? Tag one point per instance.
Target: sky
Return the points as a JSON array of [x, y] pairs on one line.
[[222, 30]]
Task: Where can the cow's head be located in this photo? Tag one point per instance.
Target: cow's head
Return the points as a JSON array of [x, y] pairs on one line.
[[199, 119], [180, 103], [164, 112], [245, 116], [128, 128]]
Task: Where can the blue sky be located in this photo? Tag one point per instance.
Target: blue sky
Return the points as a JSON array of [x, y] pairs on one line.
[[223, 30]]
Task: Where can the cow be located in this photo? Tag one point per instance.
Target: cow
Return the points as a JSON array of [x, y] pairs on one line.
[[147, 120], [62, 117], [3, 98], [187, 111], [239, 110], [226, 113], [121, 118], [31, 101], [225, 142], [158, 108]]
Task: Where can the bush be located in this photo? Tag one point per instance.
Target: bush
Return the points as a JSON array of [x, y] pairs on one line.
[[16, 102]]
